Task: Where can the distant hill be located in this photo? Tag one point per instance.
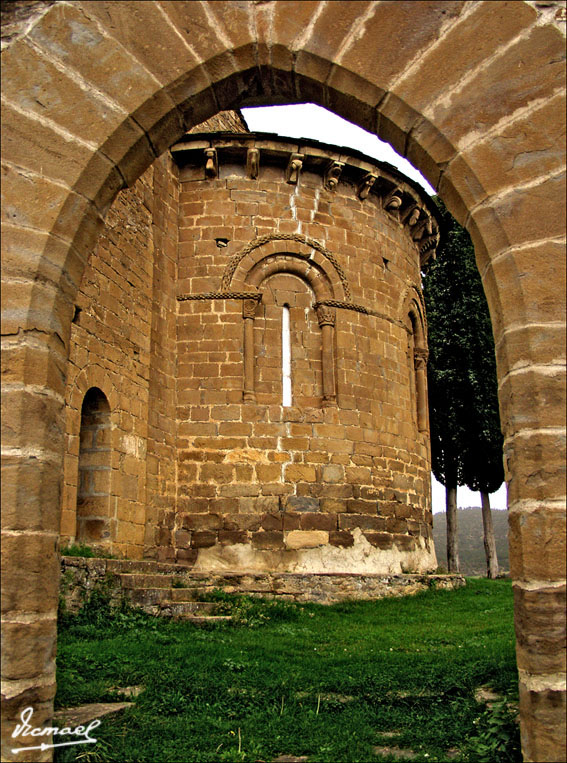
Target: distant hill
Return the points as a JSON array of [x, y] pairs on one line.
[[471, 548]]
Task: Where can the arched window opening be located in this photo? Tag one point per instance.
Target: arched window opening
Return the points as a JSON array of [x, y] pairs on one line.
[[93, 494], [286, 357], [287, 344], [417, 352], [411, 370], [289, 335]]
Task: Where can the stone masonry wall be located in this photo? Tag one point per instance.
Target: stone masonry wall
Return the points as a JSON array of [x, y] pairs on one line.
[[119, 344], [80, 577], [161, 461], [110, 350], [320, 485], [204, 471]]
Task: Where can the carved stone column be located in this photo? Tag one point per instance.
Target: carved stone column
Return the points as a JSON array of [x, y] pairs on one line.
[[420, 363], [326, 318], [248, 313]]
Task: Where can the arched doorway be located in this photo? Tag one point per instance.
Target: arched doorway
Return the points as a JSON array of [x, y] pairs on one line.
[[462, 106]]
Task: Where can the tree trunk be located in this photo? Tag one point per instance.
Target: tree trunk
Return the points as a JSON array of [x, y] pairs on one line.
[[489, 542], [452, 540]]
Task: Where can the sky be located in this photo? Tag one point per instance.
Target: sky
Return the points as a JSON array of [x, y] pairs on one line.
[[307, 120]]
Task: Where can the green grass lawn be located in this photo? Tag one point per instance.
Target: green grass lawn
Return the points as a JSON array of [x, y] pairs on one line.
[[329, 683]]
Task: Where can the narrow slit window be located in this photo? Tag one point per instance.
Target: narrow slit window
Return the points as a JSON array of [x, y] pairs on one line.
[[286, 358]]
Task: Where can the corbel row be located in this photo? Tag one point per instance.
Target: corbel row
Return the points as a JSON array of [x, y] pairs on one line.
[[399, 203], [292, 172]]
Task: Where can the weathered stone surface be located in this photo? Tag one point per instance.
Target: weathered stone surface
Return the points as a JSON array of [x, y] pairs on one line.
[[203, 538], [507, 84], [326, 588], [543, 723], [306, 538], [28, 650], [39, 697], [341, 538], [540, 629], [538, 460], [317, 521], [529, 533], [37, 591], [303, 503], [270, 539]]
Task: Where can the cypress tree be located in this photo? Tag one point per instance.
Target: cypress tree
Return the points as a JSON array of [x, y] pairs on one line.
[[466, 442]]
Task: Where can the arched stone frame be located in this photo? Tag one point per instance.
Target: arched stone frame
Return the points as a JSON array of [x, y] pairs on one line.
[[68, 153], [318, 278], [88, 378], [93, 525], [297, 245], [413, 317]]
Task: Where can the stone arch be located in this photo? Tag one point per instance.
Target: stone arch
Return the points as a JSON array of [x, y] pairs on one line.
[[480, 115], [240, 265], [314, 275], [318, 278], [93, 376], [413, 317], [95, 464], [413, 303], [90, 377]]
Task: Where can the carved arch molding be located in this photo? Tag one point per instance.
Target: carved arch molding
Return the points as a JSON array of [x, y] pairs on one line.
[[320, 268], [234, 284]]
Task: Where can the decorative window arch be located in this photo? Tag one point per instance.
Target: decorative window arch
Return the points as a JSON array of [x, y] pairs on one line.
[[418, 361], [314, 275]]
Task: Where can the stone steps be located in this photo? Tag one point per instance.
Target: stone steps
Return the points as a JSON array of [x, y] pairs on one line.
[[153, 590], [196, 612], [160, 596], [135, 580], [152, 584]]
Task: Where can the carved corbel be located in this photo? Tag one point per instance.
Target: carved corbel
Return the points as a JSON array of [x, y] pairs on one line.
[[332, 175], [422, 229], [211, 165], [428, 246], [253, 163], [411, 215], [393, 201], [293, 169], [366, 184]]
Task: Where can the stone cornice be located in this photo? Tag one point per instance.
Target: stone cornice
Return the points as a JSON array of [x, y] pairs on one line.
[[400, 197]]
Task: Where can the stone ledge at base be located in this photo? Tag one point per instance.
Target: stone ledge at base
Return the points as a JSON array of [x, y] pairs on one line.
[[81, 575]]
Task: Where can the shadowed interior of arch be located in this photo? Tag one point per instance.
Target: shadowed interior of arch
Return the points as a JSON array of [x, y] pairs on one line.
[[93, 491]]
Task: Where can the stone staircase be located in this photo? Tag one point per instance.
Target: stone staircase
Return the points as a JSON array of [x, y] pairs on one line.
[[172, 590], [157, 594], [158, 588]]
